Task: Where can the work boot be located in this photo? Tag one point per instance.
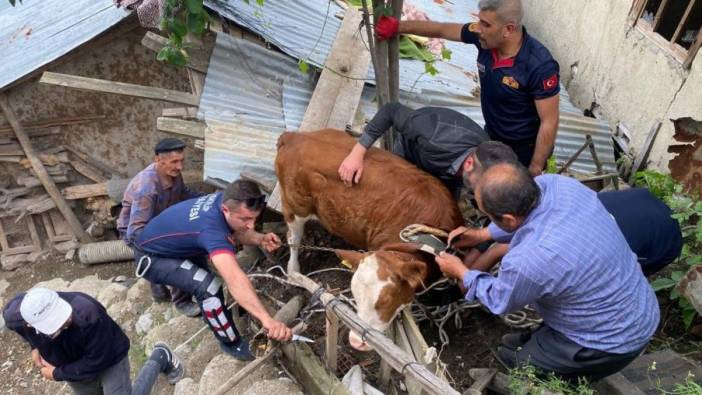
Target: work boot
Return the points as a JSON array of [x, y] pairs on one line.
[[515, 340], [160, 293], [239, 350], [174, 368], [188, 308]]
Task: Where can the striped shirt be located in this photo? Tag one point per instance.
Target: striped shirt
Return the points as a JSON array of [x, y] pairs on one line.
[[570, 261]]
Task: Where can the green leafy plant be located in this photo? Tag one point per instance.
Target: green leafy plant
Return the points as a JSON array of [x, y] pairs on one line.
[[687, 210], [180, 18], [551, 166], [526, 380]]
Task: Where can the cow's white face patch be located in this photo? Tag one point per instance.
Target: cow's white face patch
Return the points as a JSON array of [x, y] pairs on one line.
[[366, 287]]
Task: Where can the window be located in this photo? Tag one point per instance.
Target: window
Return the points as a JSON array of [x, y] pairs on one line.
[[674, 25]]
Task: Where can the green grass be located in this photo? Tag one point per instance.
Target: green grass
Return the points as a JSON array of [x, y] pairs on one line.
[[526, 381]]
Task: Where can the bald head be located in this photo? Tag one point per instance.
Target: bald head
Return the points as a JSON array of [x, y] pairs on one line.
[[508, 11], [507, 189]]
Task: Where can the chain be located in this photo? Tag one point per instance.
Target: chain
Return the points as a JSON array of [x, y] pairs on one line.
[[315, 248]]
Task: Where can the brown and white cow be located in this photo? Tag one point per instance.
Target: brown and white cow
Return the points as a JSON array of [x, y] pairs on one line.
[[370, 215]]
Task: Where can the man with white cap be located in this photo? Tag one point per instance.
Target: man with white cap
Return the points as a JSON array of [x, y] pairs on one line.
[[74, 340]]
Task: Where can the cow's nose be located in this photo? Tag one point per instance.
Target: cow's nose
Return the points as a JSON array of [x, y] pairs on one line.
[[357, 343]]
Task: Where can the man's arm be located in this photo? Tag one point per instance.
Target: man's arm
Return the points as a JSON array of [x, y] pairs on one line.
[[548, 113], [448, 31], [92, 362], [141, 212], [389, 115], [489, 258], [243, 292]]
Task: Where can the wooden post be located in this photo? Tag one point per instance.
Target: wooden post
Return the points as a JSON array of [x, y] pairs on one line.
[[41, 173], [394, 56], [397, 358], [593, 152], [332, 342], [385, 368]]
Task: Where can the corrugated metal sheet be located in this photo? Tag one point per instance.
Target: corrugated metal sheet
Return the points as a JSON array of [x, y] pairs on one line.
[[34, 33], [252, 86], [307, 29], [242, 103]]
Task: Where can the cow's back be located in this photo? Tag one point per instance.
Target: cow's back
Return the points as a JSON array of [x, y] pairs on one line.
[[391, 195]]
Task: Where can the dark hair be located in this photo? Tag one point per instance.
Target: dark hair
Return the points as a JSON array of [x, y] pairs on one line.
[[244, 191], [491, 152], [508, 188]]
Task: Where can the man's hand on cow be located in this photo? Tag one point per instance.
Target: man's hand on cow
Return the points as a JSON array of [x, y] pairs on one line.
[[462, 237], [451, 265], [351, 168], [270, 242], [276, 330]]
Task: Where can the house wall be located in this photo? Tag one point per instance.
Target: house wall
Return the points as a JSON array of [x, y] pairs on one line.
[[126, 137], [604, 60]]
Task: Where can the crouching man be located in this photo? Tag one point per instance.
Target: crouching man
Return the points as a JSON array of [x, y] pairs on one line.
[[74, 340], [174, 247], [569, 260]]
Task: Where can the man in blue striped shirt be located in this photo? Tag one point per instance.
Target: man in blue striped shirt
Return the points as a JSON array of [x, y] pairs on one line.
[[569, 260]]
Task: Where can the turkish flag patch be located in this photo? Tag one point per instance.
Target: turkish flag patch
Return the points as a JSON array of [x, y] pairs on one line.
[[550, 82]]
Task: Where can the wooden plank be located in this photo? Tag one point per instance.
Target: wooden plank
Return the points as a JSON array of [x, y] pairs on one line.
[[87, 170], [198, 58], [118, 88], [4, 245], [671, 369], [403, 341], [94, 162], [479, 385], [338, 91], [616, 384], [84, 191], [692, 52], [11, 159], [310, 371], [50, 124], [659, 15], [180, 112], [385, 368], [182, 127], [686, 15], [642, 156], [43, 176], [332, 342], [398, 359], [13, 149]]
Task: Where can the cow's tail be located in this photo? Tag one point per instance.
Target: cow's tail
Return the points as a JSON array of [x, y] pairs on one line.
[[285, 138]]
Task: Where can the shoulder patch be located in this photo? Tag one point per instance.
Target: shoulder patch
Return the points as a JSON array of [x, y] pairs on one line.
[[550, 82]]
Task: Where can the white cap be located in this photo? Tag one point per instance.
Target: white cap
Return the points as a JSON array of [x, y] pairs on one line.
[[44, 310]]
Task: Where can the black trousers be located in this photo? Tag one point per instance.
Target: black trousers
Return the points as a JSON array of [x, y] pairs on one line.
[[551, 351], [523, 148]]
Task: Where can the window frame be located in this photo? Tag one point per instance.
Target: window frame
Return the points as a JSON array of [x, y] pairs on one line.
[[684, 56]]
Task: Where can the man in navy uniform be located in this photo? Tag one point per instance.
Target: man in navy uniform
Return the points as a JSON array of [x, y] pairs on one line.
[[519, 79]]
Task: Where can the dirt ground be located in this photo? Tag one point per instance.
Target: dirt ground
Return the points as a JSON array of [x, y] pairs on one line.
[[470, 346]]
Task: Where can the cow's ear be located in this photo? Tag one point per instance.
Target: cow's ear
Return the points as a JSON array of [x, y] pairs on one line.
[[349, 258]]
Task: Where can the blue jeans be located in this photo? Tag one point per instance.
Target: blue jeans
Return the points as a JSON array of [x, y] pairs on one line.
[[115, 380]]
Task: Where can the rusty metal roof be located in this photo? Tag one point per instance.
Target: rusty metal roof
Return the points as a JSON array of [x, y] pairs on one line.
[[34, 33]]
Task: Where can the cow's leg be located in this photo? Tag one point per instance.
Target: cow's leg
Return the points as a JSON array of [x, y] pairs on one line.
[[296, 228]]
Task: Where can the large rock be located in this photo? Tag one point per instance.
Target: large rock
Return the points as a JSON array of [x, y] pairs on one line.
[[111, 294], [90, 285], [173, 333], [222, 367], [273, 387], [206, 346], [57, 284], [187, 386], [138, 299]]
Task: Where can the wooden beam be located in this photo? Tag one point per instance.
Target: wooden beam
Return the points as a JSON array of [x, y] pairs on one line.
[[659, 15], [84, 191], [310, 371], [50, 123], [682, 22], [180, 126], [118, 88], [180, 112], [87, 171], [94, 162], [398, 359], [43, 176], [335, 98], [692, 52], [332, 342]]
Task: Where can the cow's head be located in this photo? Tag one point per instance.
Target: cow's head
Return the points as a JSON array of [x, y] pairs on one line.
[[384, 281]]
